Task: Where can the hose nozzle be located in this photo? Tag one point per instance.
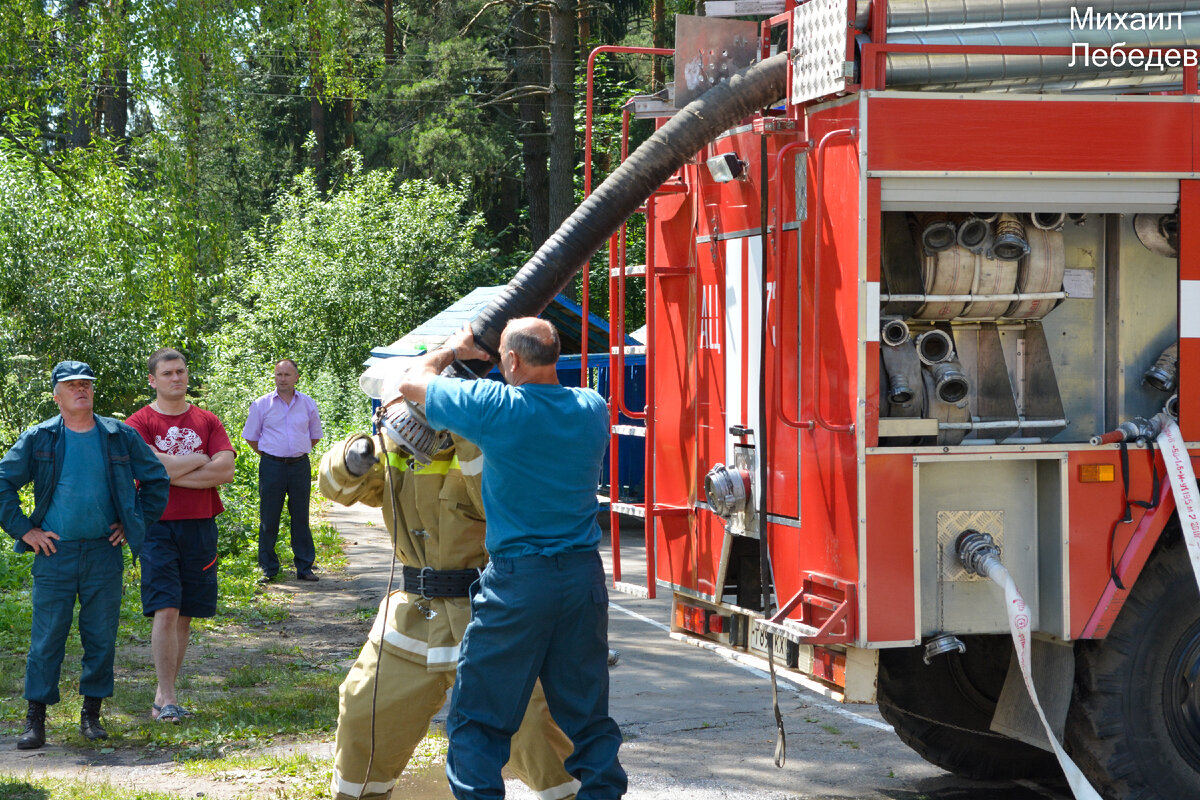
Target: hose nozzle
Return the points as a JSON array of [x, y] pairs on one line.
[[1137, 429], [977, 551]]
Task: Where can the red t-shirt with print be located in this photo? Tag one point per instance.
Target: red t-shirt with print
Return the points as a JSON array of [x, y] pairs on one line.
[[193, 431]]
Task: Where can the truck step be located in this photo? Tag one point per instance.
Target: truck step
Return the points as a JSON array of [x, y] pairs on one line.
[[788, 629], [631, 589], [629, 509], [634, 271]]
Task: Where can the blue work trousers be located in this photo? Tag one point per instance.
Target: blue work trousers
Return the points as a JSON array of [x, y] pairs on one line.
[[276, 479], [90, 570], [537, 616]]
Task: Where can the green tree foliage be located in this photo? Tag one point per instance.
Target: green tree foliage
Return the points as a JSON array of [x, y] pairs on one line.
[[85, 265], [326, 278], [145, 143]]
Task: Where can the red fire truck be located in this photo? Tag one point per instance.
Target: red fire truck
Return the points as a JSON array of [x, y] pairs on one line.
[[909, 302]]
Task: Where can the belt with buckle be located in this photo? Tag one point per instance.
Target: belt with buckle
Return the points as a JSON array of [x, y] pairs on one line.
[[429, 583], [288, 460]]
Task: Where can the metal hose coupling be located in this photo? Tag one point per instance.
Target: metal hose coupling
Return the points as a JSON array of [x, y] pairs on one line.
[[894, 331], [975, 234], [1164, 375], [405, 424], [937, 232], [978, 552], [900, 391], [1048, 221], [934, 347], [950, 382], [727, 489], [1011, 243], [1171, 408]]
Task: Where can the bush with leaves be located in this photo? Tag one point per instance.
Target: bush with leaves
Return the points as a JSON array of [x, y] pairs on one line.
[[326, 278], [85, 266]]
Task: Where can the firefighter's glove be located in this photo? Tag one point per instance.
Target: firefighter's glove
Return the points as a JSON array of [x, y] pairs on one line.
[[360, 456]]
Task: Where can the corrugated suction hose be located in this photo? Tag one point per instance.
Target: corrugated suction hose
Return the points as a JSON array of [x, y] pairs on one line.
[[562, 255]]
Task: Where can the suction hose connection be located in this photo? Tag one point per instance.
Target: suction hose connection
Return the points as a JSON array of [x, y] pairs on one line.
[[937, 232], [975, 234], [950, 383], [894, 332], [934, 347], [1164, 375], [1011, 244], [978, 553], [1048, 221]]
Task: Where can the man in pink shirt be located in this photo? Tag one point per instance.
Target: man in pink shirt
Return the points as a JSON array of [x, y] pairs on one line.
[[282, 427]]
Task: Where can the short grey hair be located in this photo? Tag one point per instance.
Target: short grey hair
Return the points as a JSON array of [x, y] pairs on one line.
[[535, 350]]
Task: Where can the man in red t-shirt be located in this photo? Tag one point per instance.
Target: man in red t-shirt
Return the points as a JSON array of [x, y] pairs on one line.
[[179, 558]]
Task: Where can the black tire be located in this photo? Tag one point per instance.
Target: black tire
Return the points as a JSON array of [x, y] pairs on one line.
[[1134, 723], [942, 711]]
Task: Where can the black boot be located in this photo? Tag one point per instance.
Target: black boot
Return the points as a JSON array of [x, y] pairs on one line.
[[89, 719], [35, 727]]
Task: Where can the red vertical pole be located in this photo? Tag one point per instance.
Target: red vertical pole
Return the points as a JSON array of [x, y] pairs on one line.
[[651, 318], [587, 176], [1189, 309]]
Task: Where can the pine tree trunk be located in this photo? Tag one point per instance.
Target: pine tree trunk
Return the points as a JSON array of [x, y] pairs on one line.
[[75, 121], [658, 25], [562, 111], [531, 110], [316, 107], [389, 33]]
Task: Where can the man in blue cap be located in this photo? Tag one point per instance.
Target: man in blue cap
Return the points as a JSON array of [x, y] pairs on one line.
[[86, 506]]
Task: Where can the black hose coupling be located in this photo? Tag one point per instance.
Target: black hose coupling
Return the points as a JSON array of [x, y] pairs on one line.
[[977, 551]]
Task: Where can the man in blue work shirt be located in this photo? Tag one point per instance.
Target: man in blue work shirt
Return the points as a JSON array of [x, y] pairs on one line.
[[540, 608], [86, 506]]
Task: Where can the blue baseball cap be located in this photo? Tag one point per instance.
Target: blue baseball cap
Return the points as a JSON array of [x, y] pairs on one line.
[[70, 371]]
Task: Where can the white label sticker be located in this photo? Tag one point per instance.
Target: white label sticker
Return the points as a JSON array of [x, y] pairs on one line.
[[1080, 284], [1189, 309]]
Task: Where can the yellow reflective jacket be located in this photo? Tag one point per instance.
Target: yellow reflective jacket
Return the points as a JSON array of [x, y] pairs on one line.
[[438, 523]]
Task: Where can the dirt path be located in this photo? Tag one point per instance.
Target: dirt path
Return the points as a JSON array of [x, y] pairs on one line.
[[696, 723], [322, 622]]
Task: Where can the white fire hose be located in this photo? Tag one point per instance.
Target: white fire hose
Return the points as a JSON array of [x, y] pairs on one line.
[[980, 555], [1183, 486]]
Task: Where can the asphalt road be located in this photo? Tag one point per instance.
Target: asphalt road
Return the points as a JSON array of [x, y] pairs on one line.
[[698, 724]]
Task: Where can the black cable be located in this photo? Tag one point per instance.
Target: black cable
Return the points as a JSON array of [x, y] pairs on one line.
[[397, 520], [1148, 505], [760, 441]]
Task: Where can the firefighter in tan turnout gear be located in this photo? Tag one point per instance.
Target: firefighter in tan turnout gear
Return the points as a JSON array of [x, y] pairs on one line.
[[437, 532]]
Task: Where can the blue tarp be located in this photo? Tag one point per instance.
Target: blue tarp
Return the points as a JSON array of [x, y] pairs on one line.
[[566, 316]]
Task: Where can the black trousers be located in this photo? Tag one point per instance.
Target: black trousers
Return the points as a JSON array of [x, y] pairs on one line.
[[275, 480]]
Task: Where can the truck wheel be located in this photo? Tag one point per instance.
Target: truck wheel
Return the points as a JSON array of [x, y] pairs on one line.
[[942, 711], [1134, 723]]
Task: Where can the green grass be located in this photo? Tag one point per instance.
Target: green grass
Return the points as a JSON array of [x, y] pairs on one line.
[[30, 788], [431, 751], [246, 691], [306, 777]]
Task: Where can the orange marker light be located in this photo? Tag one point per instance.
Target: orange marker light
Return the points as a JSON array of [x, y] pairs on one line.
[[1097, 473]]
